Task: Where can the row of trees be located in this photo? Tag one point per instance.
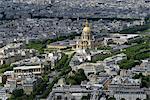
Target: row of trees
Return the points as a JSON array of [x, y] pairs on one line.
[[127, 64], [104, 48], [101, 57], [137, 49], [61, 62], [135, 54], [5, 67], [65, 69]]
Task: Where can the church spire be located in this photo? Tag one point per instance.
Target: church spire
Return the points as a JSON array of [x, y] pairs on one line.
[[86, 23]]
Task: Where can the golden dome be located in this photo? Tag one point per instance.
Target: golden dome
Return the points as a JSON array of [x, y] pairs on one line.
[[86, 29]]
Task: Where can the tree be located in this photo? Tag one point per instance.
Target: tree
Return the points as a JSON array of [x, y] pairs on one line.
[[112, 98], [4, 79], [18, 93], [145, 82], [127, 64], [61, 62], [5, 67], [137, 76], [86, 97], [123, 99], [77, 78]]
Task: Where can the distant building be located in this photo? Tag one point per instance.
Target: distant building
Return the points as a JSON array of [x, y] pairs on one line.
[[34, 1]]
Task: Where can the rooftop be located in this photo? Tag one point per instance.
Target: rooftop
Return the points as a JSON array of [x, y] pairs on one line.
[[27, 67]]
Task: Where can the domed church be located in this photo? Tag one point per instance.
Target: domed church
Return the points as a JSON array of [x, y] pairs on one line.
[[87, 40]]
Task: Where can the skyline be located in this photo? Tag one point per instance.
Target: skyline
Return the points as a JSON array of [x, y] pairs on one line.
[[74, 49]]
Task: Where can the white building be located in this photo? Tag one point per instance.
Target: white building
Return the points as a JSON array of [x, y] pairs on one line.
[[3, 94], [130, 94], [74, 92], [53, 57], [15, 52], [143, 68], [125, 87], [112, 69], [29, 85], [114, 59], [11, 85], [82, 56], [90, 67], [124, 38], [49, 59], [34, 69], [9, 74]]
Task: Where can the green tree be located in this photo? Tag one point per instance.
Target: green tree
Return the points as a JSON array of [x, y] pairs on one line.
[[145, 82], [61, 62], [137, 76], [18, 93], [4, 79], [86, 97], [77, 78], [123, 99], [112, 98], [127, 64]]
